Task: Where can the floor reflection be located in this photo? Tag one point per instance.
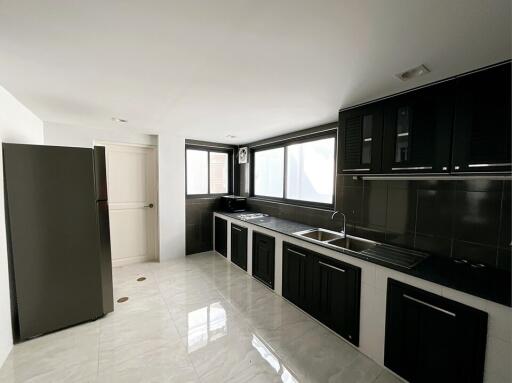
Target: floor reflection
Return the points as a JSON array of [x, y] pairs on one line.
[[206, 325], [286, 375]]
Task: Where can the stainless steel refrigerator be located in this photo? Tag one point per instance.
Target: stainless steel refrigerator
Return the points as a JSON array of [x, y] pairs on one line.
[[58, 236]]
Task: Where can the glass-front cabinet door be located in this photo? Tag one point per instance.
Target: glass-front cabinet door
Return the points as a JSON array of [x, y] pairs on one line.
[[360, 140], [417, 131]]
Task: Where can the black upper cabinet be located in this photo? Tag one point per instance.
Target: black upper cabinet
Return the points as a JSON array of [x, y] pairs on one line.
[[360, 140], [482, 121], [298, 267], [418, 130], [459, 125], [431, 339], [263, 258], [337, 297], [239, 246], [221, 236]]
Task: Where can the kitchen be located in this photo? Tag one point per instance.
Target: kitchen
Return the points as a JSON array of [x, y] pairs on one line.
[[290, 191]]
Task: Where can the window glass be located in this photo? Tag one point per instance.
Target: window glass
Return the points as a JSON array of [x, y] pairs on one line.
[[402, 134], [269, 172], [197, 171], [218, 172], [310, 171]]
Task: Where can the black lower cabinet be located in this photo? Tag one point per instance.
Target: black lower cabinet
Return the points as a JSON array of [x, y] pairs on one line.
[[221, 236], [328, 289], [433, 339], [337, 296], [263, 258], [298, 267], [239, 246]]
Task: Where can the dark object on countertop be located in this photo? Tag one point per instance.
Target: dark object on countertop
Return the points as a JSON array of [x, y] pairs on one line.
[[58, 237], [233, 203]]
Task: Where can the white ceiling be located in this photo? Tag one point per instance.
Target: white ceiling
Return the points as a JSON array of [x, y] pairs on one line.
[[253, 69]]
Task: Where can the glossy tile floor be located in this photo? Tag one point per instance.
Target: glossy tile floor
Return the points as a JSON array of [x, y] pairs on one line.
[[197, 319]]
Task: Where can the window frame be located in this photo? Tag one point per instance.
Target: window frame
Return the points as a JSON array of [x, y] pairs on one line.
[[208, 150], [332, 133]]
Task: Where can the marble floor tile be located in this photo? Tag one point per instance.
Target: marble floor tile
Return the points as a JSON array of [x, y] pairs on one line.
[[195, 319]]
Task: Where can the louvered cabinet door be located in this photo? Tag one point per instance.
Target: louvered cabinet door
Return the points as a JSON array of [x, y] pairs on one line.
[[417, 131], [360, 140], [482, 127]]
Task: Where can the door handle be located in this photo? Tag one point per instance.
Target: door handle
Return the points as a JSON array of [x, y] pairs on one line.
[[331, 266], [296, 252], [413, 168], [429, 305], [487, 165], [150, 206]]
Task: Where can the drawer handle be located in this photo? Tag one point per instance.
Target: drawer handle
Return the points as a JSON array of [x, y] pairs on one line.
[[296, 252], [236, 228], [414, 168], [429, 305], [331, 266], [356, 170], [487, 165]]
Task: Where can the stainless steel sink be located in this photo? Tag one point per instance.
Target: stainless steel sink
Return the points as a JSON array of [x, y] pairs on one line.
[[321, 235], [353, 243], [365, 248]]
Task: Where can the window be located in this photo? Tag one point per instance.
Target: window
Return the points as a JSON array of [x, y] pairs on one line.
[[218, 173], [310, 171], [298, 171], [208, 171], [269, 172]]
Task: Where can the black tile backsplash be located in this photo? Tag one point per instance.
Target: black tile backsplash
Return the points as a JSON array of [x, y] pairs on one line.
[[454, 218], [434, 221], [477, 216]]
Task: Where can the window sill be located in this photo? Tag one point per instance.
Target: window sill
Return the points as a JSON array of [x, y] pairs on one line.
[[316, 206]]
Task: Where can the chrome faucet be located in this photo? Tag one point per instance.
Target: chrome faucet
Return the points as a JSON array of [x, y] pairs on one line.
[[344, 222]]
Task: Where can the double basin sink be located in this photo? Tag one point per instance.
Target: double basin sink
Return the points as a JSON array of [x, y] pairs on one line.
[[365, 248]]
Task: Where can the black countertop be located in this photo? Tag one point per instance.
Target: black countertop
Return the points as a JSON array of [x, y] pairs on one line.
[[487, 282]]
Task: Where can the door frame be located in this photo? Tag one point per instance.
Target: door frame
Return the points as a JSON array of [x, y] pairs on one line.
[[106, 144]]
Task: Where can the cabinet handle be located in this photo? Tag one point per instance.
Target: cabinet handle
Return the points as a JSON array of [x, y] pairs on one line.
[[429, 305], [414, 168], [236, 228], [296, 252], [356, 170], [445, 168], [331, 266], [487, 165], [456, 167]]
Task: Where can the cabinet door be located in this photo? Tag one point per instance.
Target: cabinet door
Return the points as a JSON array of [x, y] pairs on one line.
[[263, 253], [298, 276], [360, 140], [482, 122], [221, 233], [430, 338], [239, 246], [337, 295], [418, 130]]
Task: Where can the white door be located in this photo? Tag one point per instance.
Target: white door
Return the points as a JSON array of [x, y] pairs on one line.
[[132, 201]]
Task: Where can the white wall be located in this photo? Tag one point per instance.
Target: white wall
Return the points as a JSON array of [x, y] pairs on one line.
[[171, 174], [71, 135], [17, 125]]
